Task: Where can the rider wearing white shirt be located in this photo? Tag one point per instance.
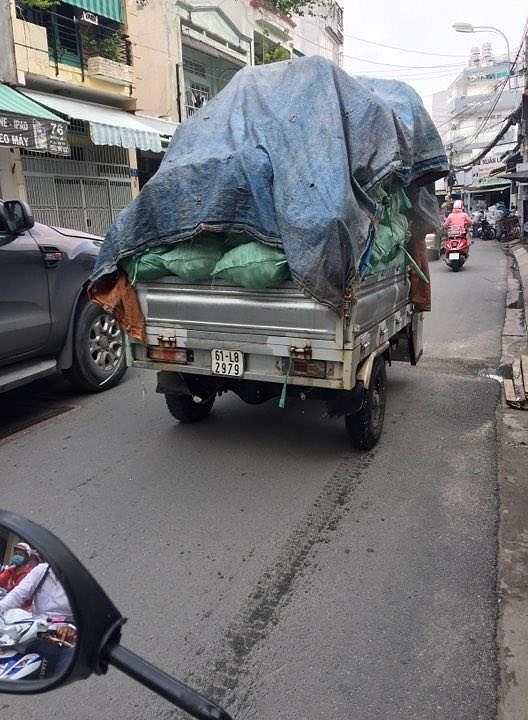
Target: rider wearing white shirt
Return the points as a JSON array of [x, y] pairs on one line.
[[47, 593]]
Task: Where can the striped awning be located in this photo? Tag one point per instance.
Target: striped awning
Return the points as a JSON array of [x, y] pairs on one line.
[[27, 125], [108, 125], [112, 9]]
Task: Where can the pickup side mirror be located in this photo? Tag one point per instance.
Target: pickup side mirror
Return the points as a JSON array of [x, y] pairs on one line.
[[16, 216], [78, 637]]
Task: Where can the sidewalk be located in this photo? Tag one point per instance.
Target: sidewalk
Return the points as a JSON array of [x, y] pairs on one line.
[[512, 573]]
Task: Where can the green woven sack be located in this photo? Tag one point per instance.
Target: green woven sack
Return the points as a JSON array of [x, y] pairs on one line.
[[148, 266], [194, 259], [393, 231], [254, 266], [234, 239]]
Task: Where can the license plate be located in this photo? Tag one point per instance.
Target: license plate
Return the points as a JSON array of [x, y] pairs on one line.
[[227, 362], [454, 256]]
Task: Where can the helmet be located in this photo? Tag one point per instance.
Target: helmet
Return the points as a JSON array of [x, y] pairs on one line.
[[22, 553], [458, 205], [24, 547], [35, 555]]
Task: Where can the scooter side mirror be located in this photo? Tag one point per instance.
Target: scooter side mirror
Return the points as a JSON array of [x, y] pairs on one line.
[[43, 647]]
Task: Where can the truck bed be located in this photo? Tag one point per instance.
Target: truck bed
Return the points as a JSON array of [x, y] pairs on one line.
[[270, 326]]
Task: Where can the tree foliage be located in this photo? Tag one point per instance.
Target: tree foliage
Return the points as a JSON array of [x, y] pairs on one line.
[[275, 54], [300, 7], [40, 4]]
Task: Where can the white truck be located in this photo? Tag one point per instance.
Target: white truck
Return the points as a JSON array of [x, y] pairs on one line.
[[334, 172], [207, 339]]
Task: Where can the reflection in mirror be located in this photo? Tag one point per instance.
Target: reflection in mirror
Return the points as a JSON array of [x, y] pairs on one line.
[[18, 216], [37, 629]]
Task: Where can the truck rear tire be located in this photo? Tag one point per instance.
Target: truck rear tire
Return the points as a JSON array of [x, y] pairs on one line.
[[364, 427], [184, 409]]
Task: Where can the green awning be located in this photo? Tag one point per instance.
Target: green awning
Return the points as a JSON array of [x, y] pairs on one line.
[[487, 183], [15, 103], [112, 9], [27, 125]]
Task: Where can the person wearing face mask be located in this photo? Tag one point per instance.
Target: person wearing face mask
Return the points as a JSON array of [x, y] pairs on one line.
[[21, 564], [44, 594]]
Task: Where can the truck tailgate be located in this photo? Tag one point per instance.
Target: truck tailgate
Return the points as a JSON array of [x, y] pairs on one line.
[[221, 312]]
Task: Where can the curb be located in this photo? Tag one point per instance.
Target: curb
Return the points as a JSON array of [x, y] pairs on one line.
[[520, 253], [512, 469]]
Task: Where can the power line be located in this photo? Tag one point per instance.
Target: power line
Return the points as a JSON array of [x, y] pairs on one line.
[[469, 109], [512, 119], [502, 87], [411, 67], [400, 49], [391, 47]]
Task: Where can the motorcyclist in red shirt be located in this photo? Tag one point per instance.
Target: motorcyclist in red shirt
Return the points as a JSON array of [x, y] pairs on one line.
[[458, 222], [23, 561]]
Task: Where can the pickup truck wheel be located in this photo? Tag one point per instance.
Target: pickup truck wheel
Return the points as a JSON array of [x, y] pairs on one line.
[[99, 360], [364, 427], [184, 409]]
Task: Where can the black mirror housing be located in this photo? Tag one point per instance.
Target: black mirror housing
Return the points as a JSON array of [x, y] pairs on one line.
[[96, 617], [97, 624], [17, 216]]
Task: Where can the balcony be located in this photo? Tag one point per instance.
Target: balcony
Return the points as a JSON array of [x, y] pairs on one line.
[[61, 40], [103, 68], [334, 22]]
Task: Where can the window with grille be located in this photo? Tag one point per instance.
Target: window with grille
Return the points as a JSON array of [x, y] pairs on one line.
[[194, 67], [196, 97]]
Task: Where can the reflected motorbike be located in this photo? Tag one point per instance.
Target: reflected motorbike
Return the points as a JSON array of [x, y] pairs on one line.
[[455, 249], [18, 629]]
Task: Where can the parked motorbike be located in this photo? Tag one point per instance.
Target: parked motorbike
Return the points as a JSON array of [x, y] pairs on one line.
[[98, 625], [508, 227], [484, 230], [455, 250]]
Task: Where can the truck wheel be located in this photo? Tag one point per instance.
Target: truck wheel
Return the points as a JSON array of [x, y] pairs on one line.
[[99, 360], [364, 427], [184, 409]]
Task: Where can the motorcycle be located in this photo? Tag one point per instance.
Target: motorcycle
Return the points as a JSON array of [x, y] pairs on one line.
[[455, 249], [18, 629], [484, 230], [508, 227]]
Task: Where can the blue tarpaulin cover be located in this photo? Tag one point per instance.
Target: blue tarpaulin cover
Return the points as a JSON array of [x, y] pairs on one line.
[[287, 153]]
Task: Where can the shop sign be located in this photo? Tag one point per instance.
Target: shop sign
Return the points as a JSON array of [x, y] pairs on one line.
[[31, 133]]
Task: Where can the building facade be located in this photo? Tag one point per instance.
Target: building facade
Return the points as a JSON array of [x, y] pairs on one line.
[[197, 47], [469, 115], [118, 76]]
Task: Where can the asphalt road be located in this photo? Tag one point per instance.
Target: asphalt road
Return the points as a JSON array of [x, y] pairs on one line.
[[261, 560]]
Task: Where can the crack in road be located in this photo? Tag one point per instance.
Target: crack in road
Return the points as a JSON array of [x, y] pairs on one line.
[[260, 613]]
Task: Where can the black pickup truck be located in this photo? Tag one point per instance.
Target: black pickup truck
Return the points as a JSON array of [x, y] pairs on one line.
[[47, 322]]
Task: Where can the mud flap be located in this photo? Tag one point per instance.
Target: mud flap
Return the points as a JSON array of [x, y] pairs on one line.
[[407, 345], [171, 383], [346, 402]]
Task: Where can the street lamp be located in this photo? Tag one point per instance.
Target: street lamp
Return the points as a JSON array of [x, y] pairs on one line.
[[463, 27]]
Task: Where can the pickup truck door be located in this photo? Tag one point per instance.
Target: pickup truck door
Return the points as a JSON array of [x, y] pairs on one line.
[[25, 321]]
